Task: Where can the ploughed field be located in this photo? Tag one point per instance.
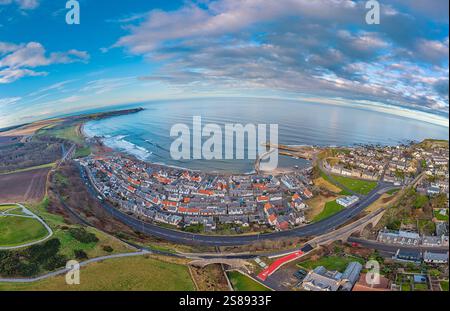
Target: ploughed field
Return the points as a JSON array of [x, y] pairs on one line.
[[23, 186]]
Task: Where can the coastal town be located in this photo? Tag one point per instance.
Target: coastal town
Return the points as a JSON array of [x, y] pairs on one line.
[[232, 204], [200, 201], [306, 229]]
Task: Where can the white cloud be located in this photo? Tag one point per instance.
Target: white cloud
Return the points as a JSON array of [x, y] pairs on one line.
[[23, 4], [19, 60], [9, 100]]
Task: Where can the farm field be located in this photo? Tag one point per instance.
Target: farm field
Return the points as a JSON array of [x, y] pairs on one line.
[[357, 185], [24, 186], [241, 282], [141, 273]]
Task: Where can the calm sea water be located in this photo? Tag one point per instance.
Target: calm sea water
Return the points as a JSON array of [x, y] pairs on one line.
[[146, 134]]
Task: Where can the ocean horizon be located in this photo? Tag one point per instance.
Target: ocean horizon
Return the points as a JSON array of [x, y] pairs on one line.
[[146, 134]]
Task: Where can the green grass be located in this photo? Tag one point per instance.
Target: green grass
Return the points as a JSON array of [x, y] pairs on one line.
[[243, 283], [82, 152], [7, 207], [15, 231], [439, 216], [123, 274], [69, 133], [406, 287], [332, 263], [444, 286], [420, 287], [330, 209], [392, 191], [30, 168], [420, 201], [68, 243], [357, 185]]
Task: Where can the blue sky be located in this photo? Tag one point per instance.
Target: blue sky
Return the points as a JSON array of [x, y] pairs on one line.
[[136, 50]]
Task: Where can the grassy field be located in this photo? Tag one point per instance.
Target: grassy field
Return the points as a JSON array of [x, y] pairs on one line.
[[444, 286], [356, 185], [69, 244], [70, 133], [332, 263], [82, 152], [323, 183], [122, 274], [241, 282], [439, 216], [330, 208], [7, 207], [15, 231]]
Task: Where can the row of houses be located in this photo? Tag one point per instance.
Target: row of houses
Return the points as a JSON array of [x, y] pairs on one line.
[[408, 238], [191, 196]]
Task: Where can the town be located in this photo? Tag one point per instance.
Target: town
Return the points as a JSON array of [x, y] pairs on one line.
[[200, 201]]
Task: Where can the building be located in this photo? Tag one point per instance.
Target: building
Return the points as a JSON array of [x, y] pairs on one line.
[[351, 275], [347, 201], [435, 258], [321, 279], [408, 255], [399, 237]]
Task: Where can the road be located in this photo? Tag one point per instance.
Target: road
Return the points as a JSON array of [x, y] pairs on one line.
[[176, 236]]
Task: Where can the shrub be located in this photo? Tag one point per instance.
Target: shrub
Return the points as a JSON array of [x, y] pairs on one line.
[[55, 262], [108, 249], [80, 234], [80, 254]]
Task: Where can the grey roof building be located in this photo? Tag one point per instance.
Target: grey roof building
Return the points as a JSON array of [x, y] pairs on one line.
[[438, 258], [351, 275], [320, 279]]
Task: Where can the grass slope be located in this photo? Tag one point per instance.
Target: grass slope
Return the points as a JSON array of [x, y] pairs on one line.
[[330, 209], [242, 282], [357, 185], [121, 274], [15, 231]]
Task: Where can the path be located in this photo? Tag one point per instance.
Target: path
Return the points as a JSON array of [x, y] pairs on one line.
[[29, 214]]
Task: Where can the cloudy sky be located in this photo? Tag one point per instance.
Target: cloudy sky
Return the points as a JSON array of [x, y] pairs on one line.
[[132, 51]]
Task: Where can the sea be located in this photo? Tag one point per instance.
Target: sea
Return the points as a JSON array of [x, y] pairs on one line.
[[146, 134]]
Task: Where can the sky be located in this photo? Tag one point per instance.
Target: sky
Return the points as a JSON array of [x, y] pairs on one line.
[[134, 51]]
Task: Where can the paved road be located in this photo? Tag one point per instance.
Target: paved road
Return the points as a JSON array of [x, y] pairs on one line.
[[181, 237], [28, 214]]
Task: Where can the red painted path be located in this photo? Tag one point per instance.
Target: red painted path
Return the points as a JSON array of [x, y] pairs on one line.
[[278, 263]]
